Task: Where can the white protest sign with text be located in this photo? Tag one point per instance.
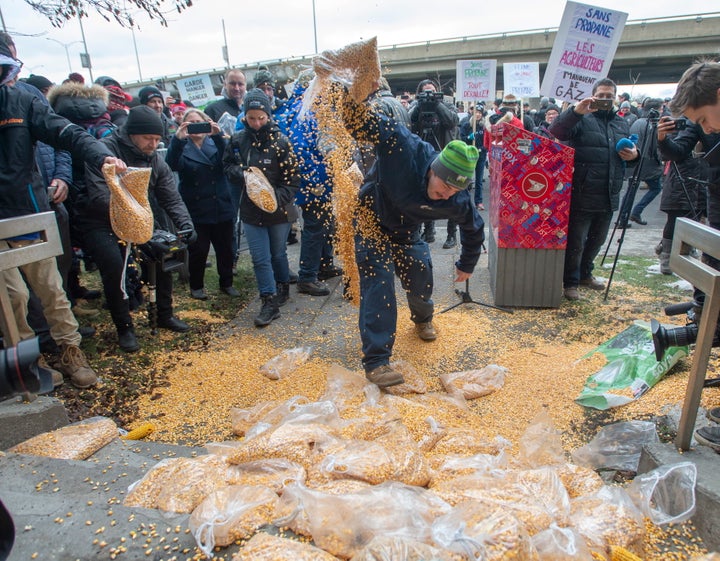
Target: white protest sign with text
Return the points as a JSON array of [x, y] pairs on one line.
[[475, 80], [522, 79], [197, 90], [583, 51]]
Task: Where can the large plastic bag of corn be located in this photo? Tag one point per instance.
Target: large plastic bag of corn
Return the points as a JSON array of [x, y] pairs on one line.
[[608, 518], [131, 217], [73, 442], [537, 498], [355, 66], [476, 532], [264, 547], [179, 484], [231, 513], [387, 548], [259, 190], [343, 524]]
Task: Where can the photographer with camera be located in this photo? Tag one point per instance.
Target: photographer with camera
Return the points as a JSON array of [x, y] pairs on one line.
[[436, 122], [652, 168], [593, 129], [136, 142]]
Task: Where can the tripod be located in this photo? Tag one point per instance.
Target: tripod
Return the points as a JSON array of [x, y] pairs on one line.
[[629, 198], [465, 298]]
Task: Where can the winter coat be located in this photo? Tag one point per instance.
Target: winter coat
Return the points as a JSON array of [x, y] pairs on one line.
[[302, 131], [434, 122], [216, 109], [24, 120], [94, 207], [396, 185], [270, 151], [652, 165], [87, 107], [473, 138], [203, 185], [392, 107], [599, 170]]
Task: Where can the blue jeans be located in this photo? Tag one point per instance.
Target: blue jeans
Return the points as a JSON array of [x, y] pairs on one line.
[[315, 239], [377, 266], [268, 250], [654, 189], [587, 231]]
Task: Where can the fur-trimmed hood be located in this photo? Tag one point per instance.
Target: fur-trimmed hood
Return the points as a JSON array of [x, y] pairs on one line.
[[77, 102]]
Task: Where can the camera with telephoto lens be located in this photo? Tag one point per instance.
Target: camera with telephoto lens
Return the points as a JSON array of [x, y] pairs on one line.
[[664, 338], [166, 248], [19, 371]]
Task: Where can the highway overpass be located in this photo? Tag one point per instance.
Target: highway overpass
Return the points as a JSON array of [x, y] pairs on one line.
[[655, 50]]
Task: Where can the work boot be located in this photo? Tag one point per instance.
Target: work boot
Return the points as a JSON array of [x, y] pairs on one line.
[[78, 310], [57, 377], [571, 293], [450, 242], [428, 236], [283, 293], [74, 365], [426, 331], [384, 376], [592, 283], [270, 310], [173, 324], [664, 256], [127, 340], [326, 273], [230, 291], [314, 288]]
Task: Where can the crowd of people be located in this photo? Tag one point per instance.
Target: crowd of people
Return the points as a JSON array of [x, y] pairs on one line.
[[210, 167]]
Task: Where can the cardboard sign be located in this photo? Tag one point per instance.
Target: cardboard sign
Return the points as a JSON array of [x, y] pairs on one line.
[[197, 90], [522, 79], [476, 80], [583, 51]]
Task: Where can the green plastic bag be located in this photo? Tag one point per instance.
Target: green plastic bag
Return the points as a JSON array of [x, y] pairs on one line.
[[631, 368]]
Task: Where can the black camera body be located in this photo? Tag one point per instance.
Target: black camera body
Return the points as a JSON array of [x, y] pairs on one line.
[[165, 248], [429, 97]]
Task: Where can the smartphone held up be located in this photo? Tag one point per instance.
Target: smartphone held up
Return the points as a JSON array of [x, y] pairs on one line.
[[203, 127]]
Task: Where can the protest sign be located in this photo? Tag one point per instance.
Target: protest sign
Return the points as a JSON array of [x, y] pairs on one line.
[[475, 80], [583, 51], [197, 90], [522, 79]]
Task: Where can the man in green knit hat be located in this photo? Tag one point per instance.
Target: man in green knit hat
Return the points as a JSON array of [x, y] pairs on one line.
[[409, 184]]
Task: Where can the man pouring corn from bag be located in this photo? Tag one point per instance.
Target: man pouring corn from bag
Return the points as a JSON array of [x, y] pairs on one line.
[[409, 184]]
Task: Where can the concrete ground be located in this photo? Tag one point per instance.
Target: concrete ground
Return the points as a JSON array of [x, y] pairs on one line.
[[67, 510]]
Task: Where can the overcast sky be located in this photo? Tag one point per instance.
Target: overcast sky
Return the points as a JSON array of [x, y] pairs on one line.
[[262, 31]]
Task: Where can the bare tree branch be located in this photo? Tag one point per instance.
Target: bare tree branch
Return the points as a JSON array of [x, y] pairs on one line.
[[60, 11]]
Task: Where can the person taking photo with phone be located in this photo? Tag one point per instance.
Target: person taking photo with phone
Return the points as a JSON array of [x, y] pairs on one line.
[[195, 153], [593, 129]]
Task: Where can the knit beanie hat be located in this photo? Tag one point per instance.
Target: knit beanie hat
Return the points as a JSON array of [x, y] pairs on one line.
[[40, 82], [256, 99], [149, 92], [455, 165], [143, 120], [263, 77]]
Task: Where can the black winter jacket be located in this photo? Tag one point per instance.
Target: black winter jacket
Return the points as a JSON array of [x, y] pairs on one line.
[[599, 171], [216, 109], [270, 151], [94, 206], [24, 120], [203, 185]]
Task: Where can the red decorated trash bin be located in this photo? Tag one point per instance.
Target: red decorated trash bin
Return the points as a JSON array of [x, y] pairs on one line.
[[530, 184]]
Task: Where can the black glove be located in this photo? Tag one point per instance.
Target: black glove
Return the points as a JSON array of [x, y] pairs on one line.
[[188, 234]]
